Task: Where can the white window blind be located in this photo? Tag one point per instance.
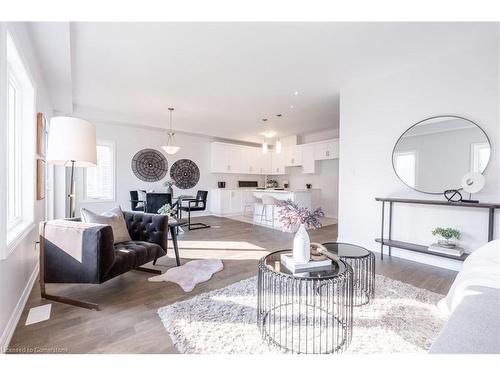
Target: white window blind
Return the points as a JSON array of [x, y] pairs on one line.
[[14, 191], [99, 181]]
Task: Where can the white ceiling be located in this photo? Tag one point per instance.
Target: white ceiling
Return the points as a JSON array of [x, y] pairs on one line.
[[223, 78]]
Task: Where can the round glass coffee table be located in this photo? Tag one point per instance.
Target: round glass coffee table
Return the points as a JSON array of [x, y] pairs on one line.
[[362, 262], [309, 311]]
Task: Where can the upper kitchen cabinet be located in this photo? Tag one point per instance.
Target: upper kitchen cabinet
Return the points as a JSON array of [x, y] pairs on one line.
[[293, 156], [252, 160], [232, 158], [277, 163], [226, 158], [326, 150], [265, 162], [308, 160]]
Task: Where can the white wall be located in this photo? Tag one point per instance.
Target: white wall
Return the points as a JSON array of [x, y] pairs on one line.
[[20, 268], [374, 113], [131, 139]]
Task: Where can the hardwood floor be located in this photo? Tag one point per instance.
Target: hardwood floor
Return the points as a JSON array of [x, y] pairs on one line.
[[128, 323]]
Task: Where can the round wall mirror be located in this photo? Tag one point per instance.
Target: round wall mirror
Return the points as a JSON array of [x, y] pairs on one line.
[[434, 154]]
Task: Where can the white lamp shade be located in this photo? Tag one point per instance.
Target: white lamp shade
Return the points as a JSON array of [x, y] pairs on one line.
[[473, 182], [71, 139]]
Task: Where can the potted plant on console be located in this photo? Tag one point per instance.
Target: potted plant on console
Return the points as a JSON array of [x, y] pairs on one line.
[[447, 242]]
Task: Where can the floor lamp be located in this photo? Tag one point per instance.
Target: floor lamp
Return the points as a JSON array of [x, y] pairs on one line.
[[72, 142]]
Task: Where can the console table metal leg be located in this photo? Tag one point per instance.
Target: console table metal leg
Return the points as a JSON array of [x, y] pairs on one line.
[[390, 227], [491, 220], [382, 233]]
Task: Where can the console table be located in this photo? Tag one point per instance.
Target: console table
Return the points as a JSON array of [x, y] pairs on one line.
[[420, 248]]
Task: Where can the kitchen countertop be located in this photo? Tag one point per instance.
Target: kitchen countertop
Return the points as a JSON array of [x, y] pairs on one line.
[[270, 190]]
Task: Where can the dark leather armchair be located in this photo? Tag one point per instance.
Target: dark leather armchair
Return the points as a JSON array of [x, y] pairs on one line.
[[193, 205], [100, 259]]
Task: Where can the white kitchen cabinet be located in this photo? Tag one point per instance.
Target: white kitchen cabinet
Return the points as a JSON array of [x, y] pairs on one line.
[[308, 160], [264, 163], [226, 202], [326, 150], [251, 160], [225, 158], [277, 164], [293, 156]]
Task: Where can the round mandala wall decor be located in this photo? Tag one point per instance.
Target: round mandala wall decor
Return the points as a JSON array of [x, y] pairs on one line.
[[185, 173], [149, 165]]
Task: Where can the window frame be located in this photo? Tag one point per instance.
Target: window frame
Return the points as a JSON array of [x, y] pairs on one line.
[[15, 68], [86, 198], [475, 149], [413, 153], [18, 178]]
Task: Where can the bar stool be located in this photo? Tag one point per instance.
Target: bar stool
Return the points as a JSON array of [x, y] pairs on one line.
[[268, 200], [250, 200]]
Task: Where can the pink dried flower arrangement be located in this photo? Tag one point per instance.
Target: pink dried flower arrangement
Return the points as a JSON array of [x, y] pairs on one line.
[[291, 216]]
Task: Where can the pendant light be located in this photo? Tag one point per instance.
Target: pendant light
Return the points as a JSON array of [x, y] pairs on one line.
[[171, 148], [264, 147], [278, 145]]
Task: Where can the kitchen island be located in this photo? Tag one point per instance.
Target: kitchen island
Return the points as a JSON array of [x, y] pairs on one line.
[[268, 215], [248, 202]]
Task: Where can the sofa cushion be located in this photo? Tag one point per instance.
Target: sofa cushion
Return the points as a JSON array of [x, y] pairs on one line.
[[133, 254], [113, 218], [474, 326]]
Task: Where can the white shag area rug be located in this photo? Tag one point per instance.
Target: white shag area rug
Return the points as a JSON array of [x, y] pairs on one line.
[[190, 274], [401, 319]]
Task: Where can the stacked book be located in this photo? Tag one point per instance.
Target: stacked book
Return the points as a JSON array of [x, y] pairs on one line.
[[455, 251], [312, 265]]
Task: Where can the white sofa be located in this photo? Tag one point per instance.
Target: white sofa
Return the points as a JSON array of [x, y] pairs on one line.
[[474, 304]]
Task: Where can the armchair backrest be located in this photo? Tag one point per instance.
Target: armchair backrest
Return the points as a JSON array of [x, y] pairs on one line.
[[154, 201], [147, 227], [94, 253], [201, 196]]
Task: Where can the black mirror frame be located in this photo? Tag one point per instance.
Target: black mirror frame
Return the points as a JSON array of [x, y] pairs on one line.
[[431, 118]]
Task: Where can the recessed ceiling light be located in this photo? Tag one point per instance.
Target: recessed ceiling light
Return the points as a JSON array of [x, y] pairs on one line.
[[296, 93], [291, 106]]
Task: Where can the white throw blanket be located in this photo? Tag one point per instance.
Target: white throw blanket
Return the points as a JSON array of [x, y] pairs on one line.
[[481, 268]]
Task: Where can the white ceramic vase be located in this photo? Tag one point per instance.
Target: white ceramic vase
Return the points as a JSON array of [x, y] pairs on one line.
[[301, 245]]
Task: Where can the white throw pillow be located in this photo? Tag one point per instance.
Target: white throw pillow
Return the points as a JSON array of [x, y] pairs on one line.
[[113, 218]]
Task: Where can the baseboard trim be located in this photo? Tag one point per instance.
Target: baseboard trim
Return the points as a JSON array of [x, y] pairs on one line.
[[16, 314]]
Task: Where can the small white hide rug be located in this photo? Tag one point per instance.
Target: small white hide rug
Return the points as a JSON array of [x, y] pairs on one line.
[[190, 274]]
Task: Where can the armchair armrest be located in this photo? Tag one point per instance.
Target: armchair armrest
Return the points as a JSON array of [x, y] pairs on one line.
[[147, 227], [75, 252]]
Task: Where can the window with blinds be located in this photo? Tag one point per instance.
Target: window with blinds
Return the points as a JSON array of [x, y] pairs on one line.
[[17, 144], [99, 181]]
